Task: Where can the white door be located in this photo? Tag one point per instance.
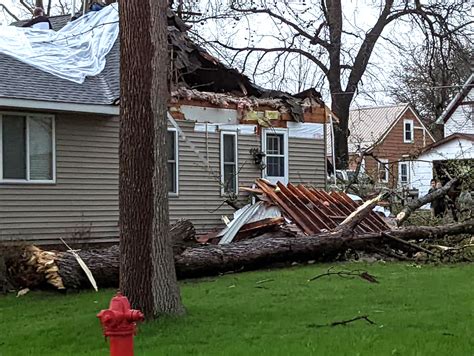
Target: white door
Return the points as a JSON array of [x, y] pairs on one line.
[[275, 147]]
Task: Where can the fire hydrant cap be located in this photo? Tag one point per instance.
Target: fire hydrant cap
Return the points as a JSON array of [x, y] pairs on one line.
[[119, 319]]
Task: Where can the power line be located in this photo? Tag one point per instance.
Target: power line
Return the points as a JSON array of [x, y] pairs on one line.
[[436, 87]]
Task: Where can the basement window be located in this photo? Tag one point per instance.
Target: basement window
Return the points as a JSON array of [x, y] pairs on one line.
[[407, 131], [229, 162], [27, 148], [172, 144]]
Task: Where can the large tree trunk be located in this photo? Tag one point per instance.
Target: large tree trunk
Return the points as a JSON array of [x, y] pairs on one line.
[[340, 107], [147, 275], [247, 255], [167, 298]]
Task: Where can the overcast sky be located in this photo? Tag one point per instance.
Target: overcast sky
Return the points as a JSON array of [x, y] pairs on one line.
[[358, 13]]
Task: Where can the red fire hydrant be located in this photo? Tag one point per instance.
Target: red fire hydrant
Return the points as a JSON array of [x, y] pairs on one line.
[[119, 323]]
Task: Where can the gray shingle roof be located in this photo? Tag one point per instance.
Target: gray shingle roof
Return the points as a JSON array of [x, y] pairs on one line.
[[19, 80], [195, 66]]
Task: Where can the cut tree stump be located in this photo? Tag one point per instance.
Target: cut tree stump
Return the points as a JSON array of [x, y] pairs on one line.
[[246, 255]]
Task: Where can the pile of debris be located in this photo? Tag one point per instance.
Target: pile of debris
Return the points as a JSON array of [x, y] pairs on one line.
[[288, 223], [303, 210]]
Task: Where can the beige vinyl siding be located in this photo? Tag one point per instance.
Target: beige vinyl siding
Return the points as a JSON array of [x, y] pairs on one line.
[[83, 204], [307, 162], [199, 186]]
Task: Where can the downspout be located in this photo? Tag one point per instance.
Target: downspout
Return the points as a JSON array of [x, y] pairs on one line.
[[84, 8]]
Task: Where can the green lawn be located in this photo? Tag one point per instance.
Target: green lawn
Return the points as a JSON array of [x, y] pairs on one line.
[[418, 311]]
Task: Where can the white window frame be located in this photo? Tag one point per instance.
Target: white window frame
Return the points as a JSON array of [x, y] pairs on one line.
[[400, 164], [279, 131], [27, 151], [412, 131], [176, 161], [383, 162], [236, 147], [362, 166]]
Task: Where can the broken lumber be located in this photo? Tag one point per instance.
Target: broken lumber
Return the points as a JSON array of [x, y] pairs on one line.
[[360, 213], [246, 255]]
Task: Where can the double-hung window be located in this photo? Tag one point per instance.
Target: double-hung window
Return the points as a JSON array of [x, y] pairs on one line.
[[403, 173], [275, 146], [408, 131], [383, 169], [229, 162], [172, 144], [27, 148]]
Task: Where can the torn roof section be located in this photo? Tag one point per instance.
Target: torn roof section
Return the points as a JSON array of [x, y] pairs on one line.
[[196, 75]]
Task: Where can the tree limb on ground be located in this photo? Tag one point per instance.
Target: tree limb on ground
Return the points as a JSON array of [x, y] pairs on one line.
[[347, 274], [418, 203], [343, 322]]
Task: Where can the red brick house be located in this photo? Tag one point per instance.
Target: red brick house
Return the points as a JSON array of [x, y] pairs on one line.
[[386, 137]]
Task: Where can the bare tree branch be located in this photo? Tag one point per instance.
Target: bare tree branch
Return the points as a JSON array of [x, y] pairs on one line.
[[9, 12]]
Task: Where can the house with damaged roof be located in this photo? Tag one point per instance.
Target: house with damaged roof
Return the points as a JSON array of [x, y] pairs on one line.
[[59, 142]]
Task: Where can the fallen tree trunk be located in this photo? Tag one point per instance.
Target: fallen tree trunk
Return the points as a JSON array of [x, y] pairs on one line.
[[247, 255], [31, 266], [260, 252]]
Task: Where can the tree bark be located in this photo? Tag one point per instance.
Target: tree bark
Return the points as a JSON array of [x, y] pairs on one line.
[[246, 255], [167, 298], [340, 107], [147, 274]]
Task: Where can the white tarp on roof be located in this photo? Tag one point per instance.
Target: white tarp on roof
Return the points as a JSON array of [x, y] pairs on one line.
[[74, 52]]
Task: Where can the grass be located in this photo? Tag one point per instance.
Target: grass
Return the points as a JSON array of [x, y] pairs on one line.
[[418, 311]]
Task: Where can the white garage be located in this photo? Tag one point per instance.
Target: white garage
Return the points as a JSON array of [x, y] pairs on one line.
[[457, 146]]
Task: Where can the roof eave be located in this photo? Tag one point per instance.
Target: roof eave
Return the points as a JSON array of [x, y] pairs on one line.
[[100, 109], [446, 114]]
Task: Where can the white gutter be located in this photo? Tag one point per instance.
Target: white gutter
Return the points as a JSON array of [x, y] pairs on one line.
[[58, 106]]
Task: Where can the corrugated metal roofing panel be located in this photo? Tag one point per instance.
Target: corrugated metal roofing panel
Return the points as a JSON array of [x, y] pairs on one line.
[[315, 210]]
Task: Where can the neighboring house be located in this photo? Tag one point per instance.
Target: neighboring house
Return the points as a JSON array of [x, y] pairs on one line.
[[456, 146], [59, 145], [385, 137]]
